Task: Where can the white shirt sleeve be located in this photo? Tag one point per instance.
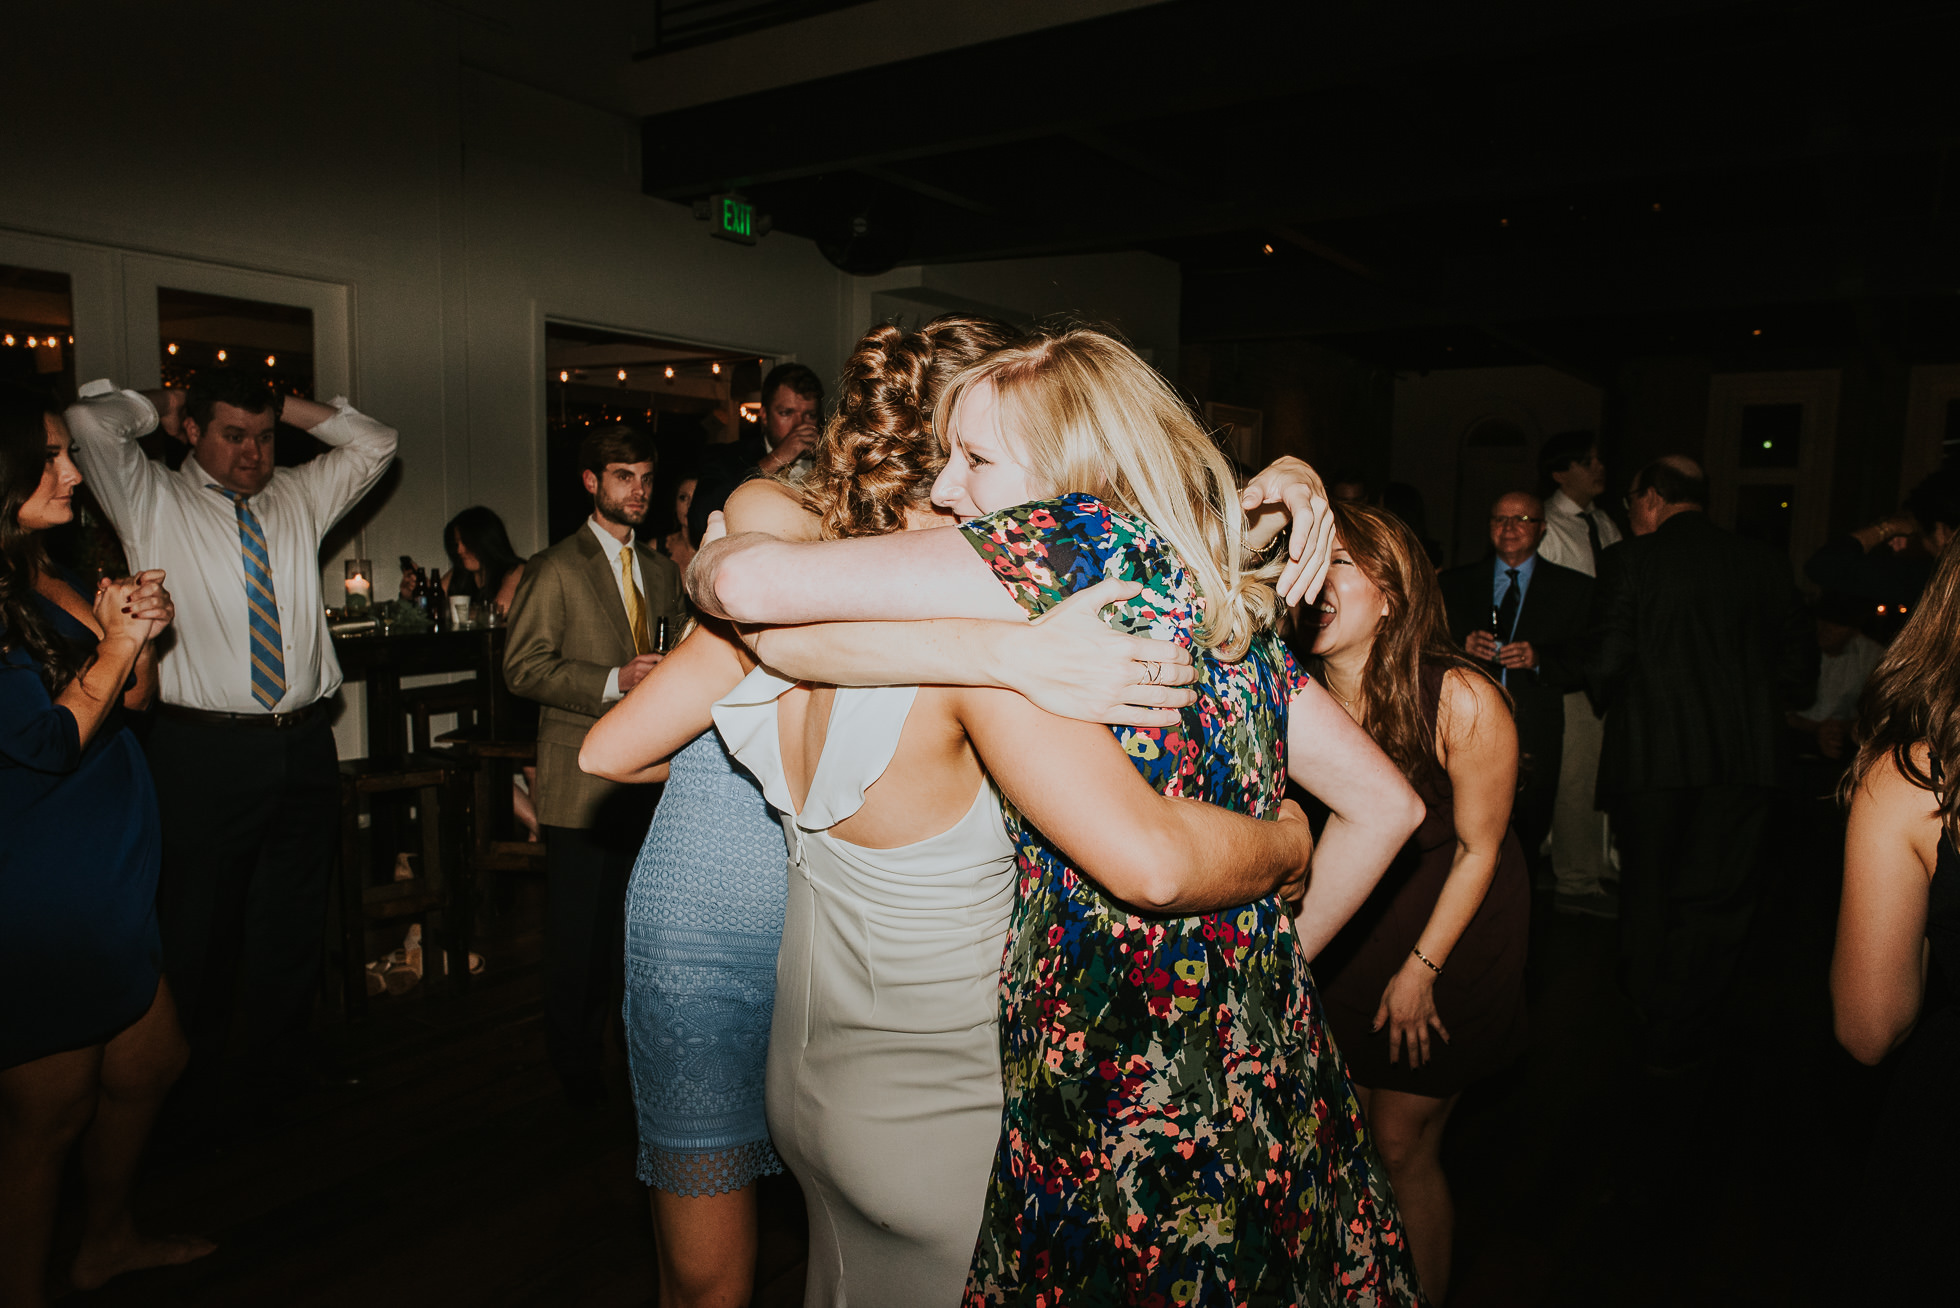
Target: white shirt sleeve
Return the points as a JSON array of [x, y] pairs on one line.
[[335, 482], [612, 690], [105, 424]]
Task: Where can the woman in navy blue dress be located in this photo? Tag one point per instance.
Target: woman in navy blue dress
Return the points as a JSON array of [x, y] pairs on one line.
[[89, 1040]]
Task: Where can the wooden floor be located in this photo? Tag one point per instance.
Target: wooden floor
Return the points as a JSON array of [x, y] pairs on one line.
[[457, 1175]]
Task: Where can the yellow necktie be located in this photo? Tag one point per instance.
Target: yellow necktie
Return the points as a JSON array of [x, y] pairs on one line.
[[636, 610]]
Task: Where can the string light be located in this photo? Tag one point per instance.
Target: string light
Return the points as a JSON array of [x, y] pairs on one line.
[[271, 361], [715, 368], [33, 344], [670, 372], [221, 356], [168, 349], [10, 338], [1269, 248], [564, 376], [622, 374]]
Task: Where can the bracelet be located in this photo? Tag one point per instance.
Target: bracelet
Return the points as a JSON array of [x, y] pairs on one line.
[[1424, 960]]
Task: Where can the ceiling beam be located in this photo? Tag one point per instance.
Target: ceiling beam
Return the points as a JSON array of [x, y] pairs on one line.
[[1092, 76]]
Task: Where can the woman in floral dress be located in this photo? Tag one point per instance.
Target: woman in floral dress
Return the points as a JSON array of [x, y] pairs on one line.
[[1178, 1129]]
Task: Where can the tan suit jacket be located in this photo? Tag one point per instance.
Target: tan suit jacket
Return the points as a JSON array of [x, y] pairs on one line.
[[567, 632]]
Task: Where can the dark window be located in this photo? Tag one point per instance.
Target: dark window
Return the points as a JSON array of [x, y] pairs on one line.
[[1771, 435], [37, 325], [1764, 513], [196, 331]]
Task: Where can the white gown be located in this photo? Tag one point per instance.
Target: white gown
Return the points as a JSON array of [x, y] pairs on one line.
[[884, 1092]]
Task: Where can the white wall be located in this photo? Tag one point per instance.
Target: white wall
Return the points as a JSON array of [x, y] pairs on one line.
[[351, 144], [1433, 412]]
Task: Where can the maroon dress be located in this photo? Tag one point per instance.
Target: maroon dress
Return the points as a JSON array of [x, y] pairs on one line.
[[1479, 997]]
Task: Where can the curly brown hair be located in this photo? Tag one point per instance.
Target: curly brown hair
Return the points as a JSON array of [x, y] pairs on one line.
[[1414, 634], [1913, 696], [878, 455]]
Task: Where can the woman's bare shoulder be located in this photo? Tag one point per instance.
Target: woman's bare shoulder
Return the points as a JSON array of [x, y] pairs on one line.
[[766, 505]]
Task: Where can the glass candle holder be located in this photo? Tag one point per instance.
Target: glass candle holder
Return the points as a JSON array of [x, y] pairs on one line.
[[360, 585]]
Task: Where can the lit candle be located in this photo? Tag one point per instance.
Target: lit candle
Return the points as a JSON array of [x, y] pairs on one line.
[[359, 588]]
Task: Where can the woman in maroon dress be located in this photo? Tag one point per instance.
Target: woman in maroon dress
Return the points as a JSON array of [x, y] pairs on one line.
[[1424, 987]]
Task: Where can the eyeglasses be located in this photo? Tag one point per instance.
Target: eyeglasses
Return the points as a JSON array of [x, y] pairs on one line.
[[1513, 520]]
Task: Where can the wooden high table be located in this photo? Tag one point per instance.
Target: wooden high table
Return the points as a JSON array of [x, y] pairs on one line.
[[443, 892], [380, 662]]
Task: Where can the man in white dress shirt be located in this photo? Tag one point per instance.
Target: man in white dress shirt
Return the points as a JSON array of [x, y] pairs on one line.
[[1576, 530], [242, 749]]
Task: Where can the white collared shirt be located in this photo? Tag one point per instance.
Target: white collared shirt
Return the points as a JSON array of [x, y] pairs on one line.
[[1565, 540], [612, 545], [177, 521]]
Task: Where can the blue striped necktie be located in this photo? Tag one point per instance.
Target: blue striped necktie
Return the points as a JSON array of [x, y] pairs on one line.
[[261, 605]]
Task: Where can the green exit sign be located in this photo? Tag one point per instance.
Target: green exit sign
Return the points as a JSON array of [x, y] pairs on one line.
[[732, 219]]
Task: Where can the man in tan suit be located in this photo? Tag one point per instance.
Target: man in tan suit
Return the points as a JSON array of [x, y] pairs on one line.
[[581, 636]]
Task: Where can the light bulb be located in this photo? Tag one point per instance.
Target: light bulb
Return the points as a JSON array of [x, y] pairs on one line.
[[10, 338], [670, 374], [622, 374], [171, 348], [221, 356], [715, 368], [33, 344], [564, 376], [271, 360]]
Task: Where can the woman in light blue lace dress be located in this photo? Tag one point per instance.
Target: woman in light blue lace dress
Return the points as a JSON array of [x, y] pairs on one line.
[[704, 916]]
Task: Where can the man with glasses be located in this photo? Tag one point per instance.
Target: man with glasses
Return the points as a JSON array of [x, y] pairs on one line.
[[1519, 611]]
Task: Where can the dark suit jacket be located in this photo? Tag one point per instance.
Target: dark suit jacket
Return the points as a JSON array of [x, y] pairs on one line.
[[735, 461], [567, 632], [1553, 618], [1698, 643]]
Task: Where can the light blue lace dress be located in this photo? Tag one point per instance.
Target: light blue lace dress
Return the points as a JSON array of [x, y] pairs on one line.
[[704, 918]]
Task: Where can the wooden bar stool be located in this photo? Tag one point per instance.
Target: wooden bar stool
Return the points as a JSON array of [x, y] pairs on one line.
[[463, 698], [441, 891], [493, 838]]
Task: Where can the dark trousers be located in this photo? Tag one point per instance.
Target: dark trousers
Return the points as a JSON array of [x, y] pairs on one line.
[[1531, 818], [250, 819], [1688, 889], [585, 930]]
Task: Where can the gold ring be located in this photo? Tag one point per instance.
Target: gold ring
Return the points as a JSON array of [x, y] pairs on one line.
[[1150, 678]]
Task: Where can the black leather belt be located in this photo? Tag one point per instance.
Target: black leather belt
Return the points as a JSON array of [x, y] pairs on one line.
[[254, 721]]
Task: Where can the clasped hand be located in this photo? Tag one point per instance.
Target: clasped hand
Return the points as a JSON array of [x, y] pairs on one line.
[[134, 608], [1518, 654]]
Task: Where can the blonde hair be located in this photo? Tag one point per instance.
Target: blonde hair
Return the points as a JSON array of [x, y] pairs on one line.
[[1097, 420]]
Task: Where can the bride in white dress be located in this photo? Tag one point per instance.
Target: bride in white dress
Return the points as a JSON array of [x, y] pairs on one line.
[[884, 1087]]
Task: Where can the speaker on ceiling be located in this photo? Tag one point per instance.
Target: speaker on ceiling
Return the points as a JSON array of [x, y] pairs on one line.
[[862, 225]]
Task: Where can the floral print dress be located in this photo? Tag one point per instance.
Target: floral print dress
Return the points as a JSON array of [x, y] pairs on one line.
[[1178, 1127]]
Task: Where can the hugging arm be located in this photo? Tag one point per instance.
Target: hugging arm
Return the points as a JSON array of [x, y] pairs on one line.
[[1372, 811], [1068, 661], [1073, 781], [670, 706], [757, 578]]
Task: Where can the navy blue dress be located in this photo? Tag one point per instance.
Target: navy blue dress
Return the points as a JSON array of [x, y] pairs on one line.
[[79, 852]]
